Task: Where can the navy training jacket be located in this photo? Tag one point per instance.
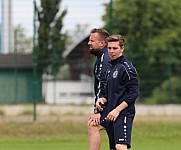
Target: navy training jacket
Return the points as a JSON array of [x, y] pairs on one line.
[[101, 66], [122, 85]]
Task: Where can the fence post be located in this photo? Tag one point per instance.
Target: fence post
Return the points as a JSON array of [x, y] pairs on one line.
[[110, 17], [34, 64]]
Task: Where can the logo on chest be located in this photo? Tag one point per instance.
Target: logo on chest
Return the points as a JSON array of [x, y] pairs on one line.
[[115, 74]]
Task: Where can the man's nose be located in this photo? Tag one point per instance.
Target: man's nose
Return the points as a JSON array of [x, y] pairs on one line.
[[111, 50]]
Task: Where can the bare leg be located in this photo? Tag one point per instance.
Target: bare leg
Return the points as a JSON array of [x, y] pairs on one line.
[[121, 147], [94, 136]]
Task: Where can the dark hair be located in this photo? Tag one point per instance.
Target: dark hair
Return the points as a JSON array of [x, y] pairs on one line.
[[116, 38], [103, 34]]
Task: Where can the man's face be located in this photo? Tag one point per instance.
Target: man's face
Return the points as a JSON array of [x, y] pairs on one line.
[[94, 43], [115, 50]]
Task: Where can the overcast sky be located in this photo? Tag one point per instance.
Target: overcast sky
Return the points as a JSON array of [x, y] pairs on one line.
[[79, 12]]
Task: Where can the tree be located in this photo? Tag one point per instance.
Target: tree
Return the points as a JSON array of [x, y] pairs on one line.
[[22, 43], [51, 40], [152, 31]]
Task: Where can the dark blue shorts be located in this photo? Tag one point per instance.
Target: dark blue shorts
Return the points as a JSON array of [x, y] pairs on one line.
[[119, 132], [105, 124]]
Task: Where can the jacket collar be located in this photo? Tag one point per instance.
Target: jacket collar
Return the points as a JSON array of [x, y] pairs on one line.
[[102, 51], [118, 60]]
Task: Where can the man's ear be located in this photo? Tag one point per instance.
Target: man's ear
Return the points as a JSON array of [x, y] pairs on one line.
[[122, 48], [102, 43]]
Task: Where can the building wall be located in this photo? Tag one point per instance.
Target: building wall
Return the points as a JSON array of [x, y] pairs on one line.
[[18, 87], [80, 60], [66, 92]]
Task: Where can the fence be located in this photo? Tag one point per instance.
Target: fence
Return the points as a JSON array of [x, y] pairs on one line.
[[22, 81]]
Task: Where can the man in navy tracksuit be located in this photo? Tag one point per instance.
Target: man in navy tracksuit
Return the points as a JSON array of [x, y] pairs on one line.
[[98, 47], [122, 91]]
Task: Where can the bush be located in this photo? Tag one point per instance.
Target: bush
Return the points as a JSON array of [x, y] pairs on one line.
[[167, 93]]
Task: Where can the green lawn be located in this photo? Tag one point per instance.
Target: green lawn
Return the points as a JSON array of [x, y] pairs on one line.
[[68, 135]]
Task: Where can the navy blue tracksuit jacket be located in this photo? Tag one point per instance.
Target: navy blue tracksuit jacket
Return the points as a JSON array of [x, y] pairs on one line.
[[122, 82], [101, 66]]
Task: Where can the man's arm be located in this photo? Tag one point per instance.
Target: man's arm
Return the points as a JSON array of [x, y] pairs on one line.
[[102, 78], [112, 116], [130, 79]]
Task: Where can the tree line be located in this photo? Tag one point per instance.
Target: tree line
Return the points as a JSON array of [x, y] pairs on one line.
[[152, 32]]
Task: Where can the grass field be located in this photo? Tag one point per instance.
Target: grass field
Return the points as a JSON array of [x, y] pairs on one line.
[[72, 135]]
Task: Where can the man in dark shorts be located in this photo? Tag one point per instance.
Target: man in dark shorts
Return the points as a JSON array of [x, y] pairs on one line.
[[96, 121], [122, 91]]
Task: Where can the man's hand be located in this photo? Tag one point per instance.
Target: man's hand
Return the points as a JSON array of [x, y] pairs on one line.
[[94, 119], [100, 102], [112, 116]]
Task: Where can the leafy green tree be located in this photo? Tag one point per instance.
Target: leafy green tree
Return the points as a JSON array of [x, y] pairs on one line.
[[51, 40], [152, 31], [22, 43]]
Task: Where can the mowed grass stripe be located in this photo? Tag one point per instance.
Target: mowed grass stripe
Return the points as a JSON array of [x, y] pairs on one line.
[[70, 135]]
